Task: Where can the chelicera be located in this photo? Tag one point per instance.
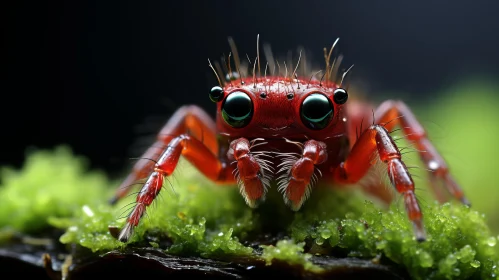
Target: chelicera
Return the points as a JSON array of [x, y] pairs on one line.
[[291, 131]]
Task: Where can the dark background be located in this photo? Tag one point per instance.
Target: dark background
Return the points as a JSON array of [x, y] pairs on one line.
[[99, 75]]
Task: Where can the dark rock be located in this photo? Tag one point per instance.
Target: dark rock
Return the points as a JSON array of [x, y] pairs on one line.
[[50, 260]]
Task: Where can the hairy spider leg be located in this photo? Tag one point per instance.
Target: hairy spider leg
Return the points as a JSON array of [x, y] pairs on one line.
[[391, 113], [360, 116], [187, 119], [197, 152], [376, 141]]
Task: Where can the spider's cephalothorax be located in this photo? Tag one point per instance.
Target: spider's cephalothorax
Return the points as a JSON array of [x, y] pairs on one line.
[[266, 123], [292, 126]]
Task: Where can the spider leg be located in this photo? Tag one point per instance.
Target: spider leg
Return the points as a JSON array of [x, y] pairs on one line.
[[200, 153], [392, 113], [187, 119], [376, 141]]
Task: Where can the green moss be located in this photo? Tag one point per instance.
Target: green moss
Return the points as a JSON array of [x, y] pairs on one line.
[[198, 217], [51, 183], [183, 214], [460, 244], [289, 252], [459, 241]]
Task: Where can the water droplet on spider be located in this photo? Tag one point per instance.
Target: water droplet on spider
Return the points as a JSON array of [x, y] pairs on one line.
[[250, 267], [433, 165]]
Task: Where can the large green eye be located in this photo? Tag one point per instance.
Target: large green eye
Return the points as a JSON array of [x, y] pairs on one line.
[[316, 111], [237, 109]]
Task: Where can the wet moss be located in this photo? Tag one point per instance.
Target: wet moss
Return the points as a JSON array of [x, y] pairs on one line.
[[290, 252], [182, 216], [200, 218], [459, 245]]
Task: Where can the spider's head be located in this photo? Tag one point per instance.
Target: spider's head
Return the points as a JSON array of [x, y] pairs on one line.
[[277, 107]]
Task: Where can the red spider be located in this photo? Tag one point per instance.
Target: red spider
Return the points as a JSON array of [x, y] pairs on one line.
[[290, 130]]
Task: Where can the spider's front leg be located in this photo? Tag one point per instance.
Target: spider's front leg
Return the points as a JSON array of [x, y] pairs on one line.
[[190, 133], [377, 139], [187, 119]]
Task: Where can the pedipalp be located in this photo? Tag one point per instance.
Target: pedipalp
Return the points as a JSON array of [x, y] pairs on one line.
[[253, 173], [299, 172]]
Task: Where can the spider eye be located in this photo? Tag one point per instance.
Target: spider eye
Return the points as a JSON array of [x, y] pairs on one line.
[[316, 111], [340, 96], [216, 94], [237, 109]]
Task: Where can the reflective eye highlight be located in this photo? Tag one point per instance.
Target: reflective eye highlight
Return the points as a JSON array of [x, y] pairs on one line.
[[237, 109], [316, 111]]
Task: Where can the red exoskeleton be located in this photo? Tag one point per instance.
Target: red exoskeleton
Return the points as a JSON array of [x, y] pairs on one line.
[[292, 130]]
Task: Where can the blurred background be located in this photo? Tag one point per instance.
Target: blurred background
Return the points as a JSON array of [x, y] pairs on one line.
[[103, 76]]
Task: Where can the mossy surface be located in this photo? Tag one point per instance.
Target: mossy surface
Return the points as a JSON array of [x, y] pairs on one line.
[[200, 218], [290, 252], [51, 183], [196, 217]]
